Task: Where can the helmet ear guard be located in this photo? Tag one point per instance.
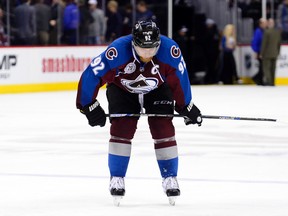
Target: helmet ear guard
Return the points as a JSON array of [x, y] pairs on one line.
[[146, 34]]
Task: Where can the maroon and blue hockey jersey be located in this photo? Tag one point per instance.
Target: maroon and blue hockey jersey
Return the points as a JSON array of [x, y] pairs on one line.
[[120, 65]]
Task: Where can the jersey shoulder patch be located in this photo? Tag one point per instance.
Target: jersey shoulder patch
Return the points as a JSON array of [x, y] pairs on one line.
[[119, 51], [169, 51]]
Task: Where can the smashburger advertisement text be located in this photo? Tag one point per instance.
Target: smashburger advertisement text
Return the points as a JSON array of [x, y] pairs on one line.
[[36, 65], [65, 64]]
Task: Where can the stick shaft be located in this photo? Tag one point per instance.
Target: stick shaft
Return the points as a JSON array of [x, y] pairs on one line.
[[238, 118], [203, 116]]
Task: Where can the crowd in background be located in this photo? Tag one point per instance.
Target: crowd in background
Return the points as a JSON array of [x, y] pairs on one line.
[[68, 22], [208, 51]]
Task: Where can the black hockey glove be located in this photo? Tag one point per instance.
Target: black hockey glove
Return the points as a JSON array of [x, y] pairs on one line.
[[192, 114], [95, 114]]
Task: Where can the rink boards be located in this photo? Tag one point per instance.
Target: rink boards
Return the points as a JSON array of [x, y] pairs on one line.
[[32, 69]]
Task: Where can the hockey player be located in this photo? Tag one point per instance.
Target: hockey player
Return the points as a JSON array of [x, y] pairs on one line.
[[144, 70]]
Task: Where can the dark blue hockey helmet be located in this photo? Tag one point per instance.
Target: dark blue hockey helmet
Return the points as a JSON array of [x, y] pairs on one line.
[[146, 34]]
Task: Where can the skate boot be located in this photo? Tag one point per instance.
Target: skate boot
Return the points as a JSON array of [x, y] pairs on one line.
[[171, 188], [117, 189]]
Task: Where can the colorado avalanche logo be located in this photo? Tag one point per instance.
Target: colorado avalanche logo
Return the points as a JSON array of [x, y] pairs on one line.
[[175, 52], [111, 53], [141, 85]]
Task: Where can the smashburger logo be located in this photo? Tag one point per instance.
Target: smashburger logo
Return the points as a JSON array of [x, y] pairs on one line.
[[66, 64]]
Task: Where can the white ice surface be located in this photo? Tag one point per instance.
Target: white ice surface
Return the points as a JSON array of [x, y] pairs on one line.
[[52, 163]]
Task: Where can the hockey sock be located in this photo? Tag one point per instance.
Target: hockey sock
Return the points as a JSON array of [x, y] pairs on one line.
[[165, 145], [168, 167], [122, 131], [119, 155]]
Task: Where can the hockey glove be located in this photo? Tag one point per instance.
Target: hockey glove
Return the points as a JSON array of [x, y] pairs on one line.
[[192, 114], [95, 114]]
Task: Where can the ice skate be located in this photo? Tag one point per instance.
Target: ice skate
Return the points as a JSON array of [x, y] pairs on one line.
[[171, 189], [117, 189]]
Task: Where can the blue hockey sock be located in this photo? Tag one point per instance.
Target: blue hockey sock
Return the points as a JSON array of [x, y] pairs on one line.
[[118, 165], [168, 167]]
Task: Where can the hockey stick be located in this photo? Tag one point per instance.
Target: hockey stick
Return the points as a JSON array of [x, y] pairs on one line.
[[203, 116]]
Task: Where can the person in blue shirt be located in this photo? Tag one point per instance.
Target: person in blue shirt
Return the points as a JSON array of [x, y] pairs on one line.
[[256, 47], [71, 19], [143, 70]]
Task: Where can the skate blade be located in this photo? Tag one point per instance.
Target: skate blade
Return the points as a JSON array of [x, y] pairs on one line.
[[117, 200], [172, 200]]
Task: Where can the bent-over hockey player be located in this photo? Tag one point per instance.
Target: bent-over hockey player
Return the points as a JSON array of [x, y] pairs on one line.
[[144, 70]]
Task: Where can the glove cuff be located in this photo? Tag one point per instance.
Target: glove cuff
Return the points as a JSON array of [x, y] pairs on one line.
[[90, 107], [93, 106], [187, 109], [190, 106]]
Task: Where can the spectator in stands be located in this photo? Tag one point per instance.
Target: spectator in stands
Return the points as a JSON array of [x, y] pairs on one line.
[[212, 39], [256, 47], [254, 10], [143, 13], [230, 3], [97, 28], [270, 50], [127, 19], [282, 19], [71, 20], [228, 71], [243, 5], [43, 16], [114, 22], [198, 5], [55, 31], [3, 37], [25, 24], [197, 48], [182, 38], [85, 20]]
